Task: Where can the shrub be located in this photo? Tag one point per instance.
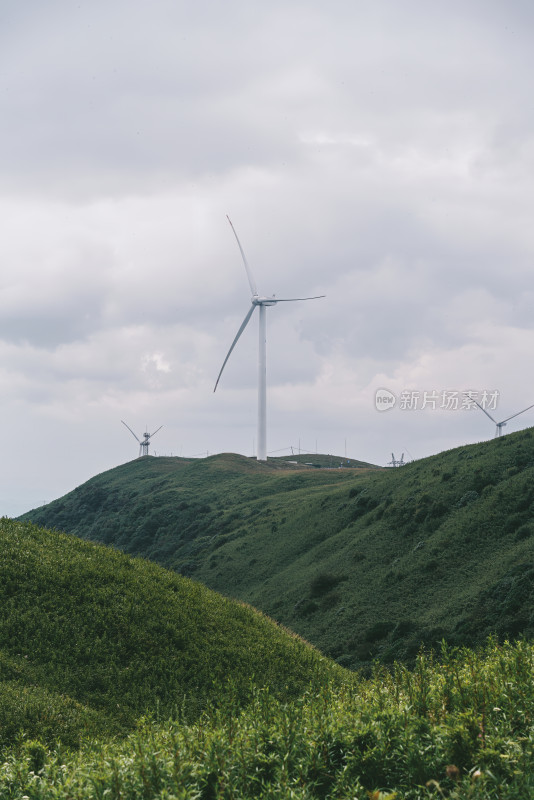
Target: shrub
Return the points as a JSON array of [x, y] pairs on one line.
[[378, 631], [524, 531], [324, 582], [467, 498], [36, 753]]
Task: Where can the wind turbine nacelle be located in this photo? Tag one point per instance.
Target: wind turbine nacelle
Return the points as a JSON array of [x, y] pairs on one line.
[[263, 301]]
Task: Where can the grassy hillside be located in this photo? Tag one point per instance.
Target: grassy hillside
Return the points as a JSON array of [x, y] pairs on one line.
[[170, 509], [91, 639], [364, 563], [319, 460], [461, 728]]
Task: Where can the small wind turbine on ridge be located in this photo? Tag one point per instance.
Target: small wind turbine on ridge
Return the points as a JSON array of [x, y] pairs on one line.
[[262, 303], [500, 425], [143, 445]]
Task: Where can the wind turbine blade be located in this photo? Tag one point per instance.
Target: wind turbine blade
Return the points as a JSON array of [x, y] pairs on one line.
[[484, 410], [158, 429], [131, 431], [250, 276], [294, 299], [240, 331], [516, 415]]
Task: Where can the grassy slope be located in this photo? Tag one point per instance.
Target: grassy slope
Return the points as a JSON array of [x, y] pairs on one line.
[[90, 639], [363, 563], [461, 728]]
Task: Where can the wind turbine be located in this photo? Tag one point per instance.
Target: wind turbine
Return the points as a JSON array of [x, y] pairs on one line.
[[262, 303], [500, 425], [143, 445]]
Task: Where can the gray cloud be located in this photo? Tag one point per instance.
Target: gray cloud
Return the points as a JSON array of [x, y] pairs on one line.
[[376, 152]]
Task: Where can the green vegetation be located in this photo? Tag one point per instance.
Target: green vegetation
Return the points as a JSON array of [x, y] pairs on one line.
[[91, 639], [364, 563], [461, 728], [120, 679], [319, 460]]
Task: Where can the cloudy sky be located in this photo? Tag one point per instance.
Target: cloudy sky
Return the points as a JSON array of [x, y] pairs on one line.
[[380, 152]]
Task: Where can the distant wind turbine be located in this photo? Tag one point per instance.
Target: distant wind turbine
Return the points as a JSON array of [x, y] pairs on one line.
[[500, 425], [143, 445], [261, 303]]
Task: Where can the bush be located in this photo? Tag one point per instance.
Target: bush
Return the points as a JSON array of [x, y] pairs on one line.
[[324, 582], [467, 498], [378, 631]]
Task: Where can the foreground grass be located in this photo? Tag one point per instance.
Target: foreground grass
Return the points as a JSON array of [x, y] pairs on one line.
[[459, 727], [91, 639]]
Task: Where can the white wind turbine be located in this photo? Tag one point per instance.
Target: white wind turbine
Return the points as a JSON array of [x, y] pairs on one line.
[[143, 445], [500, 425], [261, 303]]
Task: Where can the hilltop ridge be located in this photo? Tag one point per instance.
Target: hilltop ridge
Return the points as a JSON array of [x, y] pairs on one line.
[[362, 562]]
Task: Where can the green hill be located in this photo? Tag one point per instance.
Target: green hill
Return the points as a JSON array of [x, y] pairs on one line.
[[459, 728], [320, 460], [91, 639], [364, 562]]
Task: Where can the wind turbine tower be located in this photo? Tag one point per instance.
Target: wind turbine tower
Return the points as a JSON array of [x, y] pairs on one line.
[[143, 445], [262, 303], [500, 425]]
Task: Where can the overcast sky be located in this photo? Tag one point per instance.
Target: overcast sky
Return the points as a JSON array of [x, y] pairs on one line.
[[380, 152]]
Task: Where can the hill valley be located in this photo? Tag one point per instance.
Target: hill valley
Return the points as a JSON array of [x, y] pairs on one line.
[[363, 562]]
